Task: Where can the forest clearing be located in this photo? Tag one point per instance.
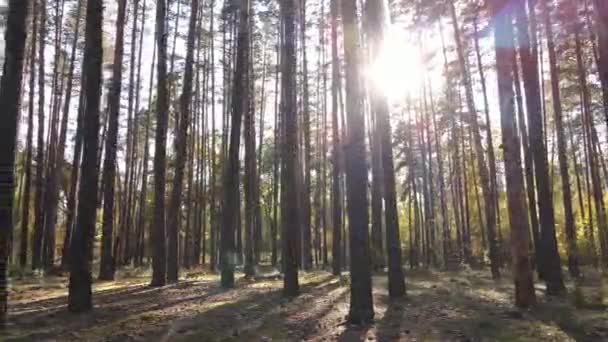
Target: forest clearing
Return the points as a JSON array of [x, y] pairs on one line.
[[440, 306]]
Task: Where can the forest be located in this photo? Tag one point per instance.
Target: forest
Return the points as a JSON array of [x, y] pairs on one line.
[[304, 170]]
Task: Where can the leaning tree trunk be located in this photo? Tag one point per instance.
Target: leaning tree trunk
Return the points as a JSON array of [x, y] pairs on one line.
[[81, 247]]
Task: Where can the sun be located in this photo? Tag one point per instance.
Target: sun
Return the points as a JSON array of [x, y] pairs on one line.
[[397, 70]]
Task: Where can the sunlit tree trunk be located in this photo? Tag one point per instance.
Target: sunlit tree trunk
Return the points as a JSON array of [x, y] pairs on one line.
[[522, 271], [361, 302]]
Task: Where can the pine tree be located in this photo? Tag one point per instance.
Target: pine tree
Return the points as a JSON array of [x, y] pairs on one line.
[[81, 246]]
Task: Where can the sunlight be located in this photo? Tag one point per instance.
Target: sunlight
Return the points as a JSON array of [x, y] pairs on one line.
[[398, 69]]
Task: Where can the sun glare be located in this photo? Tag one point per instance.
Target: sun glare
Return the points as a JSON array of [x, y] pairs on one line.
[[397, 71]]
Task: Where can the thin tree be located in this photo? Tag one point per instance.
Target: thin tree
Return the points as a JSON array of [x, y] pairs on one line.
[[336, 160]]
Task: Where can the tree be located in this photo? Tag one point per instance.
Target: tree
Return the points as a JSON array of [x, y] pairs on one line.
[[376, 16], [25, 213], [107, 263], [289, 203], [549, 263], [10, 92], [159, 262], [487, 190], [240, 102], [336, 179], [181, 139], [569, 227], [522, 271], [361, 302], [81, 247]]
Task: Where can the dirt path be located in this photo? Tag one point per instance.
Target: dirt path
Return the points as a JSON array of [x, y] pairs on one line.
[[466, 306]]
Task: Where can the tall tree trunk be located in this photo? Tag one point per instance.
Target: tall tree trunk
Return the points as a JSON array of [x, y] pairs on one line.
[[592, 158], [522, 272], [486, 188], [25, 213], [107, 263], [528, 162], [361, 302], [10, 91], [181, 140], [39, 196], [549, 262], [290, 214], [336, 159], [81, 247], [231, 173], [159, 262], [570, 228]]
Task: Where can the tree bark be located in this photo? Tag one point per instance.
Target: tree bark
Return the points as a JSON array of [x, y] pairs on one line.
[[81, 247], [10, 91]]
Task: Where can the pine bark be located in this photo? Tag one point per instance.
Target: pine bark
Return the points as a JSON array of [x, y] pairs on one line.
[[10, 91], [522, 271], [361, 302], [81, 247], [159, 266], [107, 263]]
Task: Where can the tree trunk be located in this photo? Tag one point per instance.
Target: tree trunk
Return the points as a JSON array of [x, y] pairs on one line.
[[10, 91], [159, 267], [487, 190], [231, 209], [25, 213], [570, 228], [181, 140], [336, 160], [522, 272], [289, 203], [39, 196], [361, 302], [81, 247], [107, 264], [549, 262]]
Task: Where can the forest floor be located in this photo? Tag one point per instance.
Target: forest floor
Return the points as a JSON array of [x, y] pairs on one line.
[[440, 306]]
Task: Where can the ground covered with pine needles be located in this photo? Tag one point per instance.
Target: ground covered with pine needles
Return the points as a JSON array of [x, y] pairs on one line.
[[440, 306]]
